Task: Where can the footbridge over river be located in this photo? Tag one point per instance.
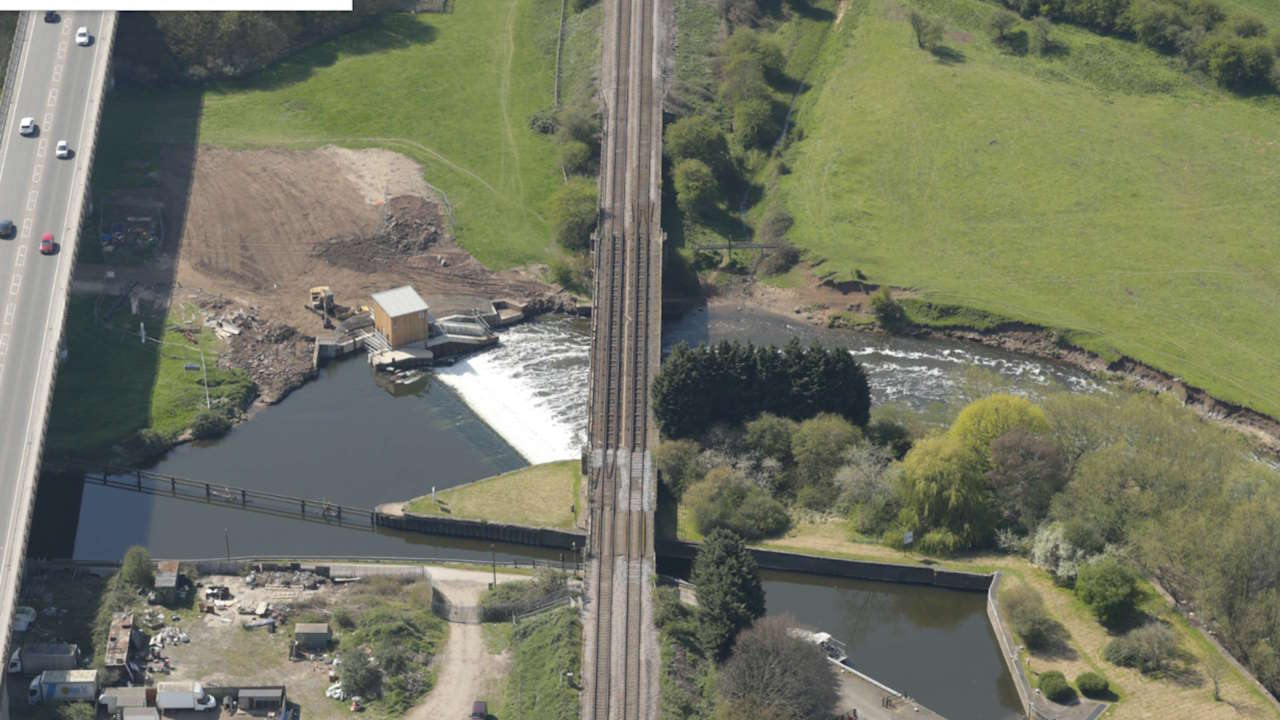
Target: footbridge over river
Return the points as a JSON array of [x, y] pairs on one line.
[[620, 662], [60, 84]]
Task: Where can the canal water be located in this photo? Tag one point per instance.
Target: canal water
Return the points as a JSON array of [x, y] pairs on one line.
[[346, 439]]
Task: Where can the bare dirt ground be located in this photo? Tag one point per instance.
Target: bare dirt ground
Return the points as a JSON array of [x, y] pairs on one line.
[[466, 668], [220, 652], [257, 228]]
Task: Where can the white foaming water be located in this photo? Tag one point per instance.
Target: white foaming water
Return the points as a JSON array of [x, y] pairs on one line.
[[531, 388]]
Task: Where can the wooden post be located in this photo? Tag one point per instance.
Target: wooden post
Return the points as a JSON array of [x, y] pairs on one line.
[[173, 486], [339, 514], [207, 494], [303, 507], [138, 474], [244, 497]]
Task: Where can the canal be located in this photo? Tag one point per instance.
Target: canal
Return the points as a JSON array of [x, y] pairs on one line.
[[344, 438]]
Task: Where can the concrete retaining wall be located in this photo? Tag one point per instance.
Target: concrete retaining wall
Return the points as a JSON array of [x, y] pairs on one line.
[[481, 530], [1007, 649], [837, 567]]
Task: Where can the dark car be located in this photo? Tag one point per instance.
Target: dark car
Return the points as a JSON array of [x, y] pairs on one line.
[[7, 228], [479, 711], [51, 16]]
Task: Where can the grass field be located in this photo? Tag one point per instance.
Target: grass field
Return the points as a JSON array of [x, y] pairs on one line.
[[1100, 190], [454, 91], [541, 496], [125, 386]]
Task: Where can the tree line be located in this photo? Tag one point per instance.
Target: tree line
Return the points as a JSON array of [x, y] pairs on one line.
[[1234, 48], [731, 382], [168, 47]]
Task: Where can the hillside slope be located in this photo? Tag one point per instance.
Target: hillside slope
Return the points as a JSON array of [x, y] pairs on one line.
[[1100, 190]]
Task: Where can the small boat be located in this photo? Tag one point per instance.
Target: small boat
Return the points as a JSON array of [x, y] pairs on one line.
[[832, 647]]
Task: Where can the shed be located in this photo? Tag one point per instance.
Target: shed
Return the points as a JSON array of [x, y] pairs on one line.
[[312, 636], [401, 315], [167, 580], [118, 698], [261, 699], [139, 713], [121, 638]]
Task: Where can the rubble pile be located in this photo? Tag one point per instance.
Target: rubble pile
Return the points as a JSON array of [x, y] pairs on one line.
[[276, 356], [305, 579]]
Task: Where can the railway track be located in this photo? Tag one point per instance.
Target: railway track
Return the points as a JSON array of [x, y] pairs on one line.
[[620, 640]]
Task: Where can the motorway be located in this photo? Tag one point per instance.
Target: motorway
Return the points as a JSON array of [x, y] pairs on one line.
[[621, 649], [60, 84]]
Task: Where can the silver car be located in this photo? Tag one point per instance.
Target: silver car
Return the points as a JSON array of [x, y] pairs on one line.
[[27, 126]]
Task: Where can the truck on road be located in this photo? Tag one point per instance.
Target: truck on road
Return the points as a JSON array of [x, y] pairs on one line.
[[183, 695], [35, 658], [63, 686]]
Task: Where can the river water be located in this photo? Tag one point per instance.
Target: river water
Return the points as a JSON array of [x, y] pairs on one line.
[[345, 439]]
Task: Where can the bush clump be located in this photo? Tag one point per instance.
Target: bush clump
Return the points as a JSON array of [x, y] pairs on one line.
[[1151, 649], [1109, 589], [1054, 686], [1093, 685], [210, 425], [1028, 617]]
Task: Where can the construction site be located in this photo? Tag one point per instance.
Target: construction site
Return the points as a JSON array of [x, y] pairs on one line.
[[285, 269]]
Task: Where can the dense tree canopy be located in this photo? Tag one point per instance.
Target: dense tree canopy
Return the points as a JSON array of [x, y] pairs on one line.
[[731, 382], [730, 596], [574, 210], [773, 674]]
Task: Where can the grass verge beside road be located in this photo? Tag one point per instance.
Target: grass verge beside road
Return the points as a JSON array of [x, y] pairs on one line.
[[1098, 190], [546, 667], [539, 496], [124, 385]]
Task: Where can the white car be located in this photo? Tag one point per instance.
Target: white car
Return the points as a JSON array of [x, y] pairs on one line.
[[62, 150], [27, 126], [83, 37]]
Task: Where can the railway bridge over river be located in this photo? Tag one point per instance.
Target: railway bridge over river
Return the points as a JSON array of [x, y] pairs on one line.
[[621, 654]]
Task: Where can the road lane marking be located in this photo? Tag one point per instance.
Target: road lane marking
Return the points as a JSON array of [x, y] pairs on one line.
[[4, 343], [8, 313], [26, 232], [15, 284], [13, 109], [53, 97], [21, 259]]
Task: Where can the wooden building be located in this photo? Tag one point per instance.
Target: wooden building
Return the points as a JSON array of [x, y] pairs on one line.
[[402, 316]]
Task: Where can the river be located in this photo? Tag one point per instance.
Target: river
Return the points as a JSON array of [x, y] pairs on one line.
[[344, 439]]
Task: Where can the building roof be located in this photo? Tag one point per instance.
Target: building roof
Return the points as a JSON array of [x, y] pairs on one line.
[[51, 649], [129, 696], [272, 693], [118, 639], [403, 300], [140, 713], [167, 574], [311, 628], [172, 686], [65, 676]]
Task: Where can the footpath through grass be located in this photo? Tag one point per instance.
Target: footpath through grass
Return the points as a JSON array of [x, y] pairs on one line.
[[126, 386], [453, 91], [540, 495], [1099, 190]]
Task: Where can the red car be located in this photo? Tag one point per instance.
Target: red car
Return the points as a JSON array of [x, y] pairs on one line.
[[46, 244]]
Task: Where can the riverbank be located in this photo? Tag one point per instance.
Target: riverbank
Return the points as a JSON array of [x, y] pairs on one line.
[[541, 496], [801, 296]]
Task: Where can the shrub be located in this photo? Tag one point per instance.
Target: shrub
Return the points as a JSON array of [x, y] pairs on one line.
[[780, 259], [888, 312], [544, 122], [1151, 648], [726, 501], [697, 137], [1000, 23], [1028, 617], [774, 225], [677, 464], [148, 443], [696, 189], [753, 122], [1054, 686], [574, 208], [575, 157], [770, 436], [210, 425], [359, 675], [571, 272], [928, 30], [1109, 588], [942, 488], [1093, 685], [818, 446], [137, 568]]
